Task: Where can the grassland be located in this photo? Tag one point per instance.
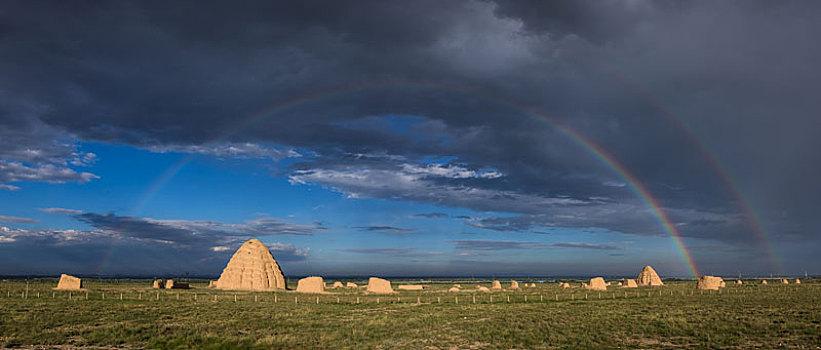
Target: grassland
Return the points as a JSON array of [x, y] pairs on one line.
[[126, 314]]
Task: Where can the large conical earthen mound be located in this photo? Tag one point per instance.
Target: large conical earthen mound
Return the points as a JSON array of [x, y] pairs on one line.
[[648, 277], [252, 268]]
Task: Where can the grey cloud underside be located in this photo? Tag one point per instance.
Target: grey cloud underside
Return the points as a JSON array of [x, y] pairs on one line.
[[17, 220], [194, 77], [142, 244], [385, 229]]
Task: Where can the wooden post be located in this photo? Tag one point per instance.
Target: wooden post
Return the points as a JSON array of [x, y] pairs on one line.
[[235, 298], [296, 300], [541, 299], [121, 296], [215, 297], [275, 298], [357, 300], [317, 300], [86, 295], [438, 300], [377, 300], [103, 295], [337, 300], [457, 300], [255, 298], [418, 301], [69, 295], [158, 295], [474, 299], [525, 298]]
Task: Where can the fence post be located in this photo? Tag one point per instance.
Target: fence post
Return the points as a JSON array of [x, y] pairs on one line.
[[121, 296], [317, 300]]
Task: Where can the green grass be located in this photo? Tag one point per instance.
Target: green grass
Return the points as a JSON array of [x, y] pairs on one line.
[[747, 316]]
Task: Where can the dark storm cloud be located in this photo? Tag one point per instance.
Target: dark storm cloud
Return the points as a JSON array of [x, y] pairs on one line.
[[194, 232], [643, 80], [144, 246]]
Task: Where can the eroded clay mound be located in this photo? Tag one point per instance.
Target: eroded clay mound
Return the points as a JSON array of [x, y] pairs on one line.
[[596, 283], [379, 286], [171, 284], [564, 285], [313, 284], [483, 289], [338, 284], [252, 267], [784, 281], [514, 285], [411, 287], [763, 281], [453, 290], [709, 282], [629, 283], [496, 285], [351, 285], [68, 282], [157, 284], [648, 278], [797, 281], [738, 282]]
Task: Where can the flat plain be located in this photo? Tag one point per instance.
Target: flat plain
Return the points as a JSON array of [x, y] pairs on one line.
[[129, 314]]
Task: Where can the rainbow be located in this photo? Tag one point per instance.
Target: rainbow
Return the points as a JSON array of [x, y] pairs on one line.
[[603, 156], [752, 217]]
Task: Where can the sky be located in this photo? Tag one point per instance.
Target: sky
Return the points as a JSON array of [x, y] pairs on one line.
[[411, 138]]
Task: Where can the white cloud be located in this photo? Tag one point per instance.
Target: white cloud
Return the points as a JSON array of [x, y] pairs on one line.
[[9, 187], [246, 150], [60, 210], [38, 152], [416, 183], [17, 220]]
